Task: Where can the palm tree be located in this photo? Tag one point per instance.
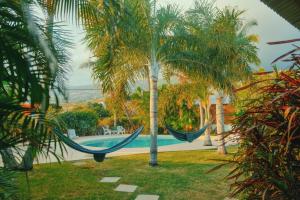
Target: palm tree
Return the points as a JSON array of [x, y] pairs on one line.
[[237, 60], [33, 65], [133, 48], [136, 40], [227, 54]]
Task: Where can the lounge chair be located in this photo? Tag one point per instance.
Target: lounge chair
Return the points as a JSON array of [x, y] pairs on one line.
[[72, 134], [106, 130], [120, 130]]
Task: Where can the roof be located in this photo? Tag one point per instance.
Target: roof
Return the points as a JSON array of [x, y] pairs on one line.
[[288, 9]]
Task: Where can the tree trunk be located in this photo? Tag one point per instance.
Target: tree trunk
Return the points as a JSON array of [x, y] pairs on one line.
[[207, 139], [10, 162], [28, 158], [115, 119], [220, 125], [153, 78], [8, 159], [201, 115]]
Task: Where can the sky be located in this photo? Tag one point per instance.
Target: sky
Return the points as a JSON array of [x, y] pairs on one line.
[[271, 27]]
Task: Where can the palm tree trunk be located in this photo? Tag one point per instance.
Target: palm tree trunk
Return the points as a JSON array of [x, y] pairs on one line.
[[115, 119], [153, 77], [220, 124], [201, 114], [28, 158], [207, 138], [8, 159]]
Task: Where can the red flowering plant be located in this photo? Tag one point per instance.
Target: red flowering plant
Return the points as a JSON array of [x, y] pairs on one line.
[[267, 163]]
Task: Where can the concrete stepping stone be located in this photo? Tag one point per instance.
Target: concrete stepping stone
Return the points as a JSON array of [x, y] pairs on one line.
[[79, 163], [126, 188], [147, 197], [110, 179]]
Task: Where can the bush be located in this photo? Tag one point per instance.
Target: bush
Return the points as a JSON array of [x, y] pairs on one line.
[[99, 109], [84, 122], [267, 164]]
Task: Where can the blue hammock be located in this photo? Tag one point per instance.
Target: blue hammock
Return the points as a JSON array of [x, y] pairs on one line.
[[99, 155], [186, 136]]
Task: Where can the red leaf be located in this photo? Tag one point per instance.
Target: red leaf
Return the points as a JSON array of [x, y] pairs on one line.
[[284, 41]]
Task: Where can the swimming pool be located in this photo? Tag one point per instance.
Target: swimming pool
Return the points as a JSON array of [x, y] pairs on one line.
[[139, 142]]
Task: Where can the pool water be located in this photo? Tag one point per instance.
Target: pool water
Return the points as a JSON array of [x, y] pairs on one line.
[[139, 142]]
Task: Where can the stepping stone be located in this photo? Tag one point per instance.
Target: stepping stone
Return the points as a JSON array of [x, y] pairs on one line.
[[147, 197], [126, 188], [110, 179], [79, 163]]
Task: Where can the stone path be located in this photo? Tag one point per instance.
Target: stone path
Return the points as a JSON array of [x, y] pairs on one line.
[[110, 179], [128, 188], [79, 163], [147, 197], [132, 188]]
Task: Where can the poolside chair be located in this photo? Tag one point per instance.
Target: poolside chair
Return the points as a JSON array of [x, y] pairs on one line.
[[72, 134], [106, 130], [120, 130]]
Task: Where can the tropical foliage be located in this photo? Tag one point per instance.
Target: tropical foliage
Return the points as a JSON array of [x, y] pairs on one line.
[[33, 62], [145, 39], [177, 107], [83, 121], [267, 162], [131, 40], [132, 45], [99, 108]]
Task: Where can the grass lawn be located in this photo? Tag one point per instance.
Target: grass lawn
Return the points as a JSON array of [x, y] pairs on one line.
[[180, 176]]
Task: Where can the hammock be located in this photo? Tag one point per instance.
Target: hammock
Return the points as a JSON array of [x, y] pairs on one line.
[[186, 136], [99, 155]]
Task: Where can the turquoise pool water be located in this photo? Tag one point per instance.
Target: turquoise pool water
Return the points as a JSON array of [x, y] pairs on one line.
[[140, 142]]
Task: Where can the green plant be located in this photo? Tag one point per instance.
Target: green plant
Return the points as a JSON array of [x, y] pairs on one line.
[[8, 187], [147, 38], [176, 103], [84, 122], [267, 164], [101, 111], [33, 62]]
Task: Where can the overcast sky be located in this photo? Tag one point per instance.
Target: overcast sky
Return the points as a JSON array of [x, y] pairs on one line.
[[271, 27]]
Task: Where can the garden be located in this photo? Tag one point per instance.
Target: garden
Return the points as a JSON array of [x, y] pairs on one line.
[[192, 61]]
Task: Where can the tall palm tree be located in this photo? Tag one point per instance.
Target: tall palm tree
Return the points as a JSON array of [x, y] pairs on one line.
[[33, 65], [136, 40], [133, 48], [242, 53], [227, 51]]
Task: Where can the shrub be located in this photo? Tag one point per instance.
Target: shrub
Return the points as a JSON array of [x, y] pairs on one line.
[[99, 109], [267, 164], [84, 122]]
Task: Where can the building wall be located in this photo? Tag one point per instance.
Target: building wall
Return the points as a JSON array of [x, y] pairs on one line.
[[228, 112]]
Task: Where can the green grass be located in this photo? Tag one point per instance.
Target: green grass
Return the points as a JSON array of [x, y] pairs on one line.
[[179, 176]]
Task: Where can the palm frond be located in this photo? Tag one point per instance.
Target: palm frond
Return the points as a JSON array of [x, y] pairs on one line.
[[8, 188]]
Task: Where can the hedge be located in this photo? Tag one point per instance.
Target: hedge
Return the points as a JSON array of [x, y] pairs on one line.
[[84, 122]]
